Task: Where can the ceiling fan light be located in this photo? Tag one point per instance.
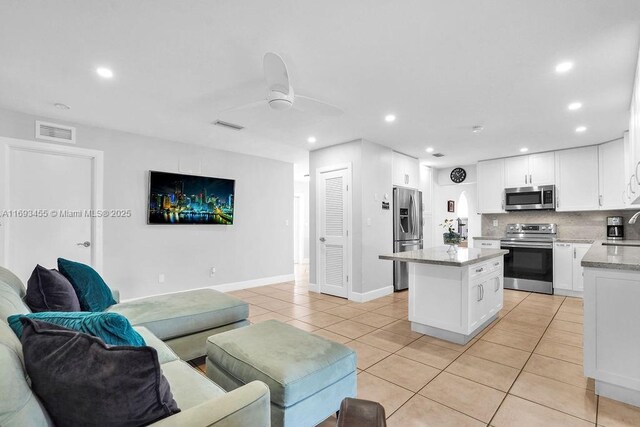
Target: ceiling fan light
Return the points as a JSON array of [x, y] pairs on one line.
[[280, 104]]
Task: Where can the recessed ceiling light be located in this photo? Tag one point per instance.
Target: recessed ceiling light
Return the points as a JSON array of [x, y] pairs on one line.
[[105, 73], [429, 150], [575, 106], [581, 129], [524, 149], [60, 106], [563, 67], [477, 129], [390, 118], [311, 140]]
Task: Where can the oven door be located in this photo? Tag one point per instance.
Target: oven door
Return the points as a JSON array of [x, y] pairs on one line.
[[528, 266]]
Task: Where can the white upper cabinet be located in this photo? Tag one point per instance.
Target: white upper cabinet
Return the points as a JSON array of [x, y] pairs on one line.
[[406, 171], [532, 170], [577, 179], [426, 186], [612, 174], [491, 186]]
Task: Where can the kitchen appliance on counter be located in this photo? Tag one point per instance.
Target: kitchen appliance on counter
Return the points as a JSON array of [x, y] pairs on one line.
[[463, 228], [529, 264], [530, 198], [615, 228], [407, 231]]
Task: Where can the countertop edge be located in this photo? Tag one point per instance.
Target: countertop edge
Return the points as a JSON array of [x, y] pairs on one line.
[[497, 253], [598, 262]]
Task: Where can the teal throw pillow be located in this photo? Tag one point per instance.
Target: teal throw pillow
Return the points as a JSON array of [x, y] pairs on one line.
[[112, 328], [93, 293]]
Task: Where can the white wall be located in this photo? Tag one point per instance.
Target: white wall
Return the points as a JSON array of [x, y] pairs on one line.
[[301, 189], [258, 245]]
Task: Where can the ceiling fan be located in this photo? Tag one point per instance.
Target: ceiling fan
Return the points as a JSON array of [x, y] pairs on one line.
[[280, 94]]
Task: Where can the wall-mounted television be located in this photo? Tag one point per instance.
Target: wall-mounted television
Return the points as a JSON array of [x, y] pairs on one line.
[[190, 199]]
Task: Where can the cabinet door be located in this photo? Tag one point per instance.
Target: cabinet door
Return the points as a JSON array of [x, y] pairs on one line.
[[611, 173], [493, 295], [516, 171], [398, 169], [491, 186], [412, 171], [426, 186], [542, 169], [563, 266], [577, 179], [475, 304], [579, 250]]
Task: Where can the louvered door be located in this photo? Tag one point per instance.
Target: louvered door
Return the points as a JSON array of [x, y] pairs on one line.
[[333, 267]]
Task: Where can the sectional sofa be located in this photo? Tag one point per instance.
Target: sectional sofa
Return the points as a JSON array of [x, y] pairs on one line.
[[176, 323]]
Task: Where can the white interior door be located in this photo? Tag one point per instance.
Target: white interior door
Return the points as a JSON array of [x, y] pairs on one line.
[[51, 195], [333, 267]]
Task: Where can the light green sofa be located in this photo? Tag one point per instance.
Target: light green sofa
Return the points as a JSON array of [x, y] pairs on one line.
[[203, 402]]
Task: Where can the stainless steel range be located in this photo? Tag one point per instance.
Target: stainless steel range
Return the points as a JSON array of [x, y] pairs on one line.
[[529, 264]]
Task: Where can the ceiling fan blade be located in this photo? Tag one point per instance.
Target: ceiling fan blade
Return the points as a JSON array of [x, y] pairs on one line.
[[262, 102], [312, 105], [275, 73]]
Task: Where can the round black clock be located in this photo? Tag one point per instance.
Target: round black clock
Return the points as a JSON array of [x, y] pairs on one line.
[[458, 175]]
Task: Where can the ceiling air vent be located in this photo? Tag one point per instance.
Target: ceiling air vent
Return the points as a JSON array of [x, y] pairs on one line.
[[228, 125], [55, 132], [438, 155]]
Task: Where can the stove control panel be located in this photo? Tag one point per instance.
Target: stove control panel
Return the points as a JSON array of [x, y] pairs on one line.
[[532, 229]]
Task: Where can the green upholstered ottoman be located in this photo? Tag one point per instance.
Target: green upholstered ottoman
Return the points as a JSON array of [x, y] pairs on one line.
[[308, 376]]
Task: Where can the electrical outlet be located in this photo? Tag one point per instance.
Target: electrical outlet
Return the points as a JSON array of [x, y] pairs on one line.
[[286, 222], [495, 222], [161, 278], [212, 272]]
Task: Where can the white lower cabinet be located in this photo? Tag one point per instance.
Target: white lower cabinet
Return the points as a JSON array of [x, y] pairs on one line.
[[485, 293], [567, 272]]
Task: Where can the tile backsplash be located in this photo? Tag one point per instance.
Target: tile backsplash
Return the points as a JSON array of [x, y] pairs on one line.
[[571, 225]]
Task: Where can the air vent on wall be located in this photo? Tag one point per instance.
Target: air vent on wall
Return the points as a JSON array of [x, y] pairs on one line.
[[55, 132], [228, 125], [438, 155]]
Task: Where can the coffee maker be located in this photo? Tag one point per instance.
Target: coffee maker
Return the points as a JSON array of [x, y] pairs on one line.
[[615, 228]]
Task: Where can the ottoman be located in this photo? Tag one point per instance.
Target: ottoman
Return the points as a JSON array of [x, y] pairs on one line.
[[308, 376]]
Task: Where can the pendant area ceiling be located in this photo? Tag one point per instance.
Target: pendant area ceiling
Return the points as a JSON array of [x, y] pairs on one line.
[[441, 67]]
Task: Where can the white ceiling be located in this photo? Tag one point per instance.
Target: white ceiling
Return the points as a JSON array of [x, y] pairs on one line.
[[440, 66]]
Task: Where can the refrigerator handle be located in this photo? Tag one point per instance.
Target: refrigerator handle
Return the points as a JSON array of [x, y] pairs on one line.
[[411, 218]]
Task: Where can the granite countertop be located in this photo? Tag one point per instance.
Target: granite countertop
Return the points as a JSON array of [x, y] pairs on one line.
[[439, 256], [575, 240], [619, 255]]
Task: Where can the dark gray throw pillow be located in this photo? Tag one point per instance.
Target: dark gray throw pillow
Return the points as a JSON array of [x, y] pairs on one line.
[[49, 290], [82, 382]]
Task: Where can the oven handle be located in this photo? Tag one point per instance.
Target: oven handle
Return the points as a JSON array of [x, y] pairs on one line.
[[527, 245]]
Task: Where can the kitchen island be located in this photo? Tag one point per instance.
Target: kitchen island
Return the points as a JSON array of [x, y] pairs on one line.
[[612, 319], [453, 296]]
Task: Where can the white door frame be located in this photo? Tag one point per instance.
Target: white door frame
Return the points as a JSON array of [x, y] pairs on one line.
[[349, 265], [97, 158]]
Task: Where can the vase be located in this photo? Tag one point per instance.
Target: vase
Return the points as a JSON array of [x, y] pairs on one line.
[[452, 239]]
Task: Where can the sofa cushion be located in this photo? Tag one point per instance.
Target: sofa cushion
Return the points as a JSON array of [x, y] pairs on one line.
[[93, 383], [165, 353], [112, 328], [49, 290], [93, 293], [189, 386], [10, 302], [13, 281], [183, 313]]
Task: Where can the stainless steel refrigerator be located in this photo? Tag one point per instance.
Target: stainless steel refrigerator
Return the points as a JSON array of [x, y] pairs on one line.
[[407, 230]]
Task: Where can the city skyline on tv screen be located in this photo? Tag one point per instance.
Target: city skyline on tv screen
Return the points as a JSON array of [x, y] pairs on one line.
[[190, 199]]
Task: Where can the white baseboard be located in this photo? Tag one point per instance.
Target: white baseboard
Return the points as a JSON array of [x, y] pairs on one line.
[[567, 293], [371, 295], [254, 283], [314, 288]]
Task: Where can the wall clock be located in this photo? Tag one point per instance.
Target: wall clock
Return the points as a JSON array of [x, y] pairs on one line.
[[458, 175]]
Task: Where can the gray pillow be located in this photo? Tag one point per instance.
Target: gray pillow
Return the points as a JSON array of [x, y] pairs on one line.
[[49, 290], [82, 382]]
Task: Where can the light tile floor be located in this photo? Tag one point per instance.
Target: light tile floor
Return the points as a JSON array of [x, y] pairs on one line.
[[525, 369]]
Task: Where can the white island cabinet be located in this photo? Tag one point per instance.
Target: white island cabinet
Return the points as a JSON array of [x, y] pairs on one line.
[[612, 319], [453, 296]]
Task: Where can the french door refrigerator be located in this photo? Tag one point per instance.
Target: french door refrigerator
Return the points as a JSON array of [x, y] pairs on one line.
[[407, 230]]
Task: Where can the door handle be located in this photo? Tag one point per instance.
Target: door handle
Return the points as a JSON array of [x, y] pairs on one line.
[[85, 244], [322, 239]]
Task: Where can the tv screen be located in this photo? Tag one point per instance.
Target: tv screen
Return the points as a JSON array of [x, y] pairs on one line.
[[190, 199]]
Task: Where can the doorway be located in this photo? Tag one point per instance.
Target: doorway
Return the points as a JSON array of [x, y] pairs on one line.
[[49, 198]]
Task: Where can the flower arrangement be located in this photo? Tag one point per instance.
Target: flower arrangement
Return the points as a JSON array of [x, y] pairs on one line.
[[451, 237]]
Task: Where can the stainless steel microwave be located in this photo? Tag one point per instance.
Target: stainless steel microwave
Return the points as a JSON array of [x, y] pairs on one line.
[[530, 198]]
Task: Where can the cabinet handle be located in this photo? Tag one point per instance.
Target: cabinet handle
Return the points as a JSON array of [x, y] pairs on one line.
[[574, 253], [496, 264], [497, 284], [481, 292], [525, 178], [530, 179], [600, 200], [479, 270]]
